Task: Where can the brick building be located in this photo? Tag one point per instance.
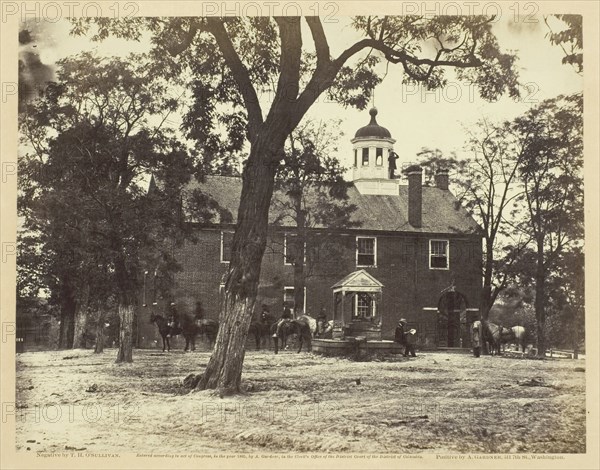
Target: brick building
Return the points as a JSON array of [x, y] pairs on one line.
[[415, 240]]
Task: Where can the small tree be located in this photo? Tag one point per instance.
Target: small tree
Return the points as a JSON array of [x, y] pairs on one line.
[[550, 173], [485, 185], [489, 192], [314, 199]]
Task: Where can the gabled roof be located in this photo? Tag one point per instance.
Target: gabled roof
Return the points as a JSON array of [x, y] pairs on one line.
[[442, 212], [358, 281]]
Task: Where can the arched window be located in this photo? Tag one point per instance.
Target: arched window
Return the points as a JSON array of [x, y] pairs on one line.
[[365, 156], [355, 158]]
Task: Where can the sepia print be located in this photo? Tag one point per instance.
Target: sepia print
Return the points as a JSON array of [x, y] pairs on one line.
[[319, 232]]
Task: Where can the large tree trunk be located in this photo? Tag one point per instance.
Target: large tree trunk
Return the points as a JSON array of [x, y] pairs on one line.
[[224, 369], [127, 285], [81, 319], [125, 353], [540, 297], [99, 348]]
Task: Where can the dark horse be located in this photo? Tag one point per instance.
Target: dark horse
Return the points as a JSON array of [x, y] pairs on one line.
[[189, 329], [261, 329], [165, 330], [285, 328]]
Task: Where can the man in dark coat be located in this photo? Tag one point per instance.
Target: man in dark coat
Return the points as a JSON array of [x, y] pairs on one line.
[[406, 338], [392, 164], [287, 314]]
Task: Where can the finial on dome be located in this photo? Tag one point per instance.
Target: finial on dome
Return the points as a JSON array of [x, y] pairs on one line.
[[373, 129]]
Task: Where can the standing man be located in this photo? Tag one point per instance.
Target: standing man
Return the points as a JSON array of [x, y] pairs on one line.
[[406, 338], [392, 164]]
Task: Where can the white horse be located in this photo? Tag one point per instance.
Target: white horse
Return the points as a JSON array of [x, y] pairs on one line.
[[517, 335]]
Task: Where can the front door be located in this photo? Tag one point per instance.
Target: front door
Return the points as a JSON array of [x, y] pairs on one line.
[[452, 331]]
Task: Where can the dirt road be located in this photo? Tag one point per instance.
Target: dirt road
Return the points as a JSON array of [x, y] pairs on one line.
[[437, 402]]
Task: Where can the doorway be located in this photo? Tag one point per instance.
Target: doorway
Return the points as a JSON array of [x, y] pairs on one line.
[[452, 320]]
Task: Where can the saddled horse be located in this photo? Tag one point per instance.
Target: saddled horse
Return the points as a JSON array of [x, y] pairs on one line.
[[516, 334], [261, 329], [189, 327], [492, 334], [166, 331], [283, 329]]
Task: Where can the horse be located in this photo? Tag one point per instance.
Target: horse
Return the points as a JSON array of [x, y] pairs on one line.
[[492, 334], [283, 329], [516, 334], [164, 329], [209, 328], [189, 328], [261, 329]]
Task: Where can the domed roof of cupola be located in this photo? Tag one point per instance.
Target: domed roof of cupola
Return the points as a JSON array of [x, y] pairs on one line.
[[373, 129]]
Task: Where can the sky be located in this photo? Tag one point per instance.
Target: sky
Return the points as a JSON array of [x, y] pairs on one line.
[[415, 118]]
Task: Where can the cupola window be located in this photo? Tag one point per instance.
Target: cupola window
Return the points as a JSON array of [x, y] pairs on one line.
[[365, 156], [379, 156]]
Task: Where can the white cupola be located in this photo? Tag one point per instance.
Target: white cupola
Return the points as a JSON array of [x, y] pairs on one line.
[[372, 147]]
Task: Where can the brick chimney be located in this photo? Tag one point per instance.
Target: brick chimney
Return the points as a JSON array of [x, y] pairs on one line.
[[414, 173], [441, 179]]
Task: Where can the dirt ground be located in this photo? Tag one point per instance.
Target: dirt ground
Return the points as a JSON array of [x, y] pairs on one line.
[[434, 403]]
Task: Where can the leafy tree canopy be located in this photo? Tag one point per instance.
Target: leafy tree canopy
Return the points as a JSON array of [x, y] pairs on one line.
[[236, 66]]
